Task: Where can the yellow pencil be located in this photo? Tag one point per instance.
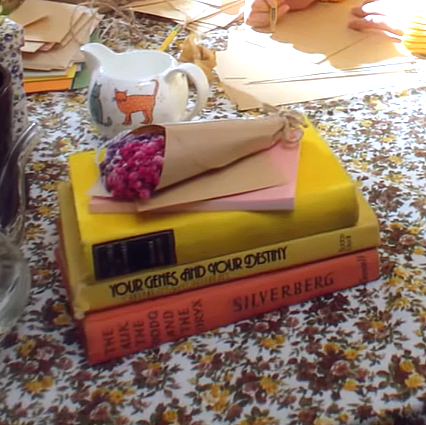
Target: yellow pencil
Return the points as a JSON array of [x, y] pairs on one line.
[[273, 16], [166, 43]]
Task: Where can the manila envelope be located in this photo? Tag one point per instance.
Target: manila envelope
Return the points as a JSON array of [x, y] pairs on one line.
[[217, 3], [376, 49], [320, 29], [26, 14], [302, 91], [225, 16], [199, 27], [237, 62], [87, 18], [139, 3], [59, 57], [214, 3], [308, 36], [296, 45], [181, 11], [56, 24], [247, 61], [177, 10]]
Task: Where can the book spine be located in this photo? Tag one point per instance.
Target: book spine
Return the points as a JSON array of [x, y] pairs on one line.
[[175, 244], [118, 332], [175, 279]]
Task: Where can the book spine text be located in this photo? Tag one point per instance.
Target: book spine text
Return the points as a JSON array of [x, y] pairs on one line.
[[122, 331], [171, 280]]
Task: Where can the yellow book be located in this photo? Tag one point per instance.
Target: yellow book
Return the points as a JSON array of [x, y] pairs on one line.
[[115, 244], [86, 297]]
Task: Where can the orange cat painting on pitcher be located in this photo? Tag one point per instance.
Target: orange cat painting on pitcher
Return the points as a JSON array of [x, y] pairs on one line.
[[130, 104]]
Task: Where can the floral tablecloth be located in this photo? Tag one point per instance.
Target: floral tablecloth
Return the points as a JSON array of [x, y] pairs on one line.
[[358, 356]]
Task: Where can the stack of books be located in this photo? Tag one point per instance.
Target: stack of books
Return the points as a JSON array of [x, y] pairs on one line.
[[53, 34], [136, 280]]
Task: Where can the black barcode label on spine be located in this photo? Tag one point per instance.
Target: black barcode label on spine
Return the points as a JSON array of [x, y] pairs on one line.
[[116, 258]]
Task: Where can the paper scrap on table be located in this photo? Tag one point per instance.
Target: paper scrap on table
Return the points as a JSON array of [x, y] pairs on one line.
[[193, 52]]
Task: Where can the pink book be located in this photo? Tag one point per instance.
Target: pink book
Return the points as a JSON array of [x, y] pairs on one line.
[[272, 198]]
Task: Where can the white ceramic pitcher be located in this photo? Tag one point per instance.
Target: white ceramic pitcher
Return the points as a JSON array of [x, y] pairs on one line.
[[140, 87]]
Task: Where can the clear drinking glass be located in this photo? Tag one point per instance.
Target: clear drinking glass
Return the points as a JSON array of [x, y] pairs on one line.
[[15, 282]]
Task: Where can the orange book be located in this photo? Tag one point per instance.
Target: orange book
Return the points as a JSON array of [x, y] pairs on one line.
[[49, 85], [125, 330]]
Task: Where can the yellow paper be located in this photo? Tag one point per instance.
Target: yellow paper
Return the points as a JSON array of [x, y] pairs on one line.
[[70, 73]]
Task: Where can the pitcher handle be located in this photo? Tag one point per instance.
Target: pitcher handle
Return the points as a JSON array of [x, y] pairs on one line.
[[197, 76]]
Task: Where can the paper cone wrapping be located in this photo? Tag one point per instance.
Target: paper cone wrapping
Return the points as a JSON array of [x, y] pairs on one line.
[[195, 148]]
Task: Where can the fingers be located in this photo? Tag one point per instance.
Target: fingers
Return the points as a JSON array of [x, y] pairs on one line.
[[265, 5], [383, 15], [299, 4], [376, 22], [258, 12], [360, 11], [273, 3], [259, 18], [379, 7]]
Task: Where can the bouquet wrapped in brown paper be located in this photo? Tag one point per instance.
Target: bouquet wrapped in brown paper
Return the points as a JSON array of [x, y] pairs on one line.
[[153, 157]]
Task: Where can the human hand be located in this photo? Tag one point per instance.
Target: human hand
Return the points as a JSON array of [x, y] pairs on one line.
[[385, 15], [256, 12]]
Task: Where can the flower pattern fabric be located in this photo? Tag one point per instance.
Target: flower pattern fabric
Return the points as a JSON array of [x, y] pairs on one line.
[[357, 356], [11, 40]]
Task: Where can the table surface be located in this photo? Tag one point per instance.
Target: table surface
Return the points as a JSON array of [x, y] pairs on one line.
[[355, 356]]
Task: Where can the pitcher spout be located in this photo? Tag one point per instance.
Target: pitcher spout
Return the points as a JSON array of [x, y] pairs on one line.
[[96, 55]]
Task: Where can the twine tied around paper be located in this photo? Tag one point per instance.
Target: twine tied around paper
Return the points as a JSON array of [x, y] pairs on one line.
[[291, 131], [293, 123]]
